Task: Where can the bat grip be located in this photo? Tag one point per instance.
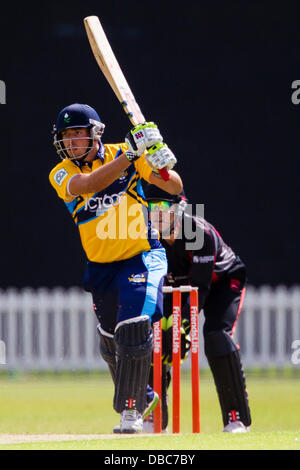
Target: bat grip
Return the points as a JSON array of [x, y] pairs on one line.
[[164, 174]]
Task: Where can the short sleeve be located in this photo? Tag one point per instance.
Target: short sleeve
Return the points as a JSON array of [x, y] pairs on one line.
[[60, 177]]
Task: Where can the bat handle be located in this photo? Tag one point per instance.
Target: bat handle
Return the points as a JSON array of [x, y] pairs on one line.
[[164, 174]]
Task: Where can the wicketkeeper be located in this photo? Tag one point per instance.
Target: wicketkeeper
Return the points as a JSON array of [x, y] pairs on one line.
[[100, 185], [220, 276]]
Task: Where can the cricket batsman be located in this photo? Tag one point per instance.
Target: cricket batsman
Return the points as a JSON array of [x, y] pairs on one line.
[[100, 185], [220, 276]]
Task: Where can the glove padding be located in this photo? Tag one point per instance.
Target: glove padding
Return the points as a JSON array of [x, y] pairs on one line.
[[142, 137], [160, 156], [167, 335]]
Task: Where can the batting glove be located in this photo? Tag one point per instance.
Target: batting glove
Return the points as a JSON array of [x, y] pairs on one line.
[[142, 137], [160, 156]]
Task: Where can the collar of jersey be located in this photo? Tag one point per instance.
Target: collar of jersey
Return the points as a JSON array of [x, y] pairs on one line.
[[100, 155]]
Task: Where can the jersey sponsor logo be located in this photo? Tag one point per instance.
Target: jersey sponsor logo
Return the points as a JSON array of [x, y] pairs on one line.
[[60, 176], [100, 204], [137, 278], [203, 259], [123, 177]]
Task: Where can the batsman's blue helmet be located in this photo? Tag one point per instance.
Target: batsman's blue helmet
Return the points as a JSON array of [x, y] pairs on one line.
[[75, 116]]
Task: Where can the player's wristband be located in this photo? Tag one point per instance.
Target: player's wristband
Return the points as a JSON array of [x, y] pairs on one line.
[[131, 157]]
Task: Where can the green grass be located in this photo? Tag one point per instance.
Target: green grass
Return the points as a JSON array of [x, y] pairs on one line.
[[276, 440], [83, 405]]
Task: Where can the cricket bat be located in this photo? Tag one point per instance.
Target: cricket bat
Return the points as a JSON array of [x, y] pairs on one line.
[[111, 70]]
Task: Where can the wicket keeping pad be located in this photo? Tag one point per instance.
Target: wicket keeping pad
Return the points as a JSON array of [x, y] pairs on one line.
[[224, 360]]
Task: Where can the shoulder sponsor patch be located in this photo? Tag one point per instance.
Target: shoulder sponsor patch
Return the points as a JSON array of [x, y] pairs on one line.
[[60, 176], [203, 259]]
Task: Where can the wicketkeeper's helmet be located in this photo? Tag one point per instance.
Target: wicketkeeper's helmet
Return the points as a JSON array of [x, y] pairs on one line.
[[153, 194], [159, 200]]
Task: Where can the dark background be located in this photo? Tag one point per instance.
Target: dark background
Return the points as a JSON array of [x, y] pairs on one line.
[[216, 76]]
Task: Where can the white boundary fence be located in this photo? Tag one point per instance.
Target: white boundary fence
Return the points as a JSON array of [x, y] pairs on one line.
[[55, 329]]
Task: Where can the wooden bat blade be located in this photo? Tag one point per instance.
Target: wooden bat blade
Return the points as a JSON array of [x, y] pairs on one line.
[[110, 68]]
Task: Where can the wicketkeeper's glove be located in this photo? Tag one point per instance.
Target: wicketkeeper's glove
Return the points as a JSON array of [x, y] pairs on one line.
[[167, 333]]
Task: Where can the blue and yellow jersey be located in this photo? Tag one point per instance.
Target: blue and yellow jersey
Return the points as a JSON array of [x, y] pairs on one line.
[[113, 223]]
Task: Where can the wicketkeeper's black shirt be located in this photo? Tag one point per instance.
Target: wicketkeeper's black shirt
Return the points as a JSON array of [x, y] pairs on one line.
[[203, 266]]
